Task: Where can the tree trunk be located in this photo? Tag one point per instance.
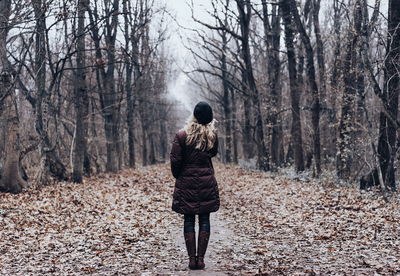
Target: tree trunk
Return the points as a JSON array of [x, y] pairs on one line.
[[144, 143], [346, 126], [245, 14], [272, 39], [131, 126], [234, 134], [360, 72], [144, 84], [344, 154], [163, 139], [112, 136], [248, 141], [390, 97], [313, 86], [81, 99], [294, 88], [111, 114], [336, 73], [320, 50], [50, 163], [322, 77], [11, 179], [106, 81], [226, 102], [130, 119], [5, 10], [152, 154]]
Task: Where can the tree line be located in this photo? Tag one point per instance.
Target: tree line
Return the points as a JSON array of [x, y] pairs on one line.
[[82, 88], [295, 89], [312, 84]]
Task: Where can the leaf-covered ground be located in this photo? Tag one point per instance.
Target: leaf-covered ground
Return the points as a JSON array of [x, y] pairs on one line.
[[122, 225]]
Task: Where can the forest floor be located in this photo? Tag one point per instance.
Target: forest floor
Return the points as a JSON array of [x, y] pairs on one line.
[[122, 224]]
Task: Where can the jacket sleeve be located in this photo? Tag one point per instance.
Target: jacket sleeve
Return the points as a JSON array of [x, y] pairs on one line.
[[176, 156], [213, 152]]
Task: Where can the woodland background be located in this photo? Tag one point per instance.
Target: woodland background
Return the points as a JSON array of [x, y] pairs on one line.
[[310, 84], [306, 97]]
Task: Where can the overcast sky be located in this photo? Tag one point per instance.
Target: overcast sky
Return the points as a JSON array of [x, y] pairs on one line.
[[180, 88]]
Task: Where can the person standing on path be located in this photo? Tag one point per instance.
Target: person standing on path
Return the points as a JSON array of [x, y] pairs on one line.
[[196, 189]]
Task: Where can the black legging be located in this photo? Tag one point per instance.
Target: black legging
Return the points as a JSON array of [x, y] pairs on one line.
[[190, 221]]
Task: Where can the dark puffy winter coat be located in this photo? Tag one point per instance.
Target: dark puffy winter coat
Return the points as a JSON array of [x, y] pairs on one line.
[[196, 189]]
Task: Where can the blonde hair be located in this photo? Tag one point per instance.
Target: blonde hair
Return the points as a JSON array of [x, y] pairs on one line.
[[202, 136]]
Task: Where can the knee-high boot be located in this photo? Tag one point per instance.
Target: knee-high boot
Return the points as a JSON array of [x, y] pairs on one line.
[[190, 241], [202, 248]]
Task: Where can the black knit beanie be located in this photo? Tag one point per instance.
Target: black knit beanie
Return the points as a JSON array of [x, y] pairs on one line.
[[203, 113]]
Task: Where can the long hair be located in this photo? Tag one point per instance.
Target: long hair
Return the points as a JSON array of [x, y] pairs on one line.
[[202, 136]]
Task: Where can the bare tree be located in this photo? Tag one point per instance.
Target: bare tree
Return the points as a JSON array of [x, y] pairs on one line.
[[297, 140], [346, 126], [11, 180], [313, 86], [272, 30], [389, 95], [131, 61], [226, 94], [50, 164], [106, 76], [81, 98]]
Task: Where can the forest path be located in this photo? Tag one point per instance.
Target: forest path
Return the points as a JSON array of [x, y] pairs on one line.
[[122, 224]]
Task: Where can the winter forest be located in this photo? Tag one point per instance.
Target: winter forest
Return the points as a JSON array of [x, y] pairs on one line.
[[306, 98]]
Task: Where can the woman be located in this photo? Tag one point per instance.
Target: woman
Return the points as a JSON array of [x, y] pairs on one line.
[[196, 190]]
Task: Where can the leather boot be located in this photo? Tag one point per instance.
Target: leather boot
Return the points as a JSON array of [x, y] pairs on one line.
[[202, 248], [190, 241]]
